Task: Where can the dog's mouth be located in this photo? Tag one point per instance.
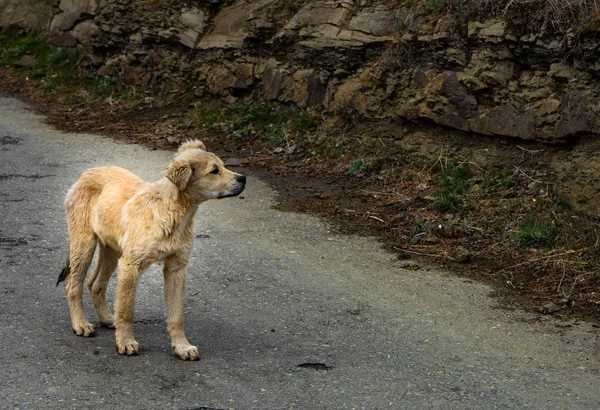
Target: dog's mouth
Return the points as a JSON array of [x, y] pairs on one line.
[[235, 192]]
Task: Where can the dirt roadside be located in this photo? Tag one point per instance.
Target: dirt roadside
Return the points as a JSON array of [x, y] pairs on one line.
[[396, 203]]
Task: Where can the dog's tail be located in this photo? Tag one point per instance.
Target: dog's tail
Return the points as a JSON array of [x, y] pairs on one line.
[[65, 271]]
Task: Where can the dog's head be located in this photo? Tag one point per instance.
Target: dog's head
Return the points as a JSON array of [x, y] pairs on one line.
[[201, 175]]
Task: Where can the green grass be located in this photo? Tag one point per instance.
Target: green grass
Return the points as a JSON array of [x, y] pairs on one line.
[[56, 67], [328, 148], [455, 183], [499, 179], [270, 122], [532, 233], [458, 190], [435, 6], [362, 166]]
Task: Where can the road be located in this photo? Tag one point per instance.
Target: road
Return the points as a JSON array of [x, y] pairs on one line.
[[286, 312]]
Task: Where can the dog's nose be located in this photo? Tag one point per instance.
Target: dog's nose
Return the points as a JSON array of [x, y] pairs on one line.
[[240, 178]]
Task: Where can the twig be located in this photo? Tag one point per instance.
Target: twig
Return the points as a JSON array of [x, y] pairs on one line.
[[530, 150], [421, 254], [377, 219], [540, 259], [527, 176]]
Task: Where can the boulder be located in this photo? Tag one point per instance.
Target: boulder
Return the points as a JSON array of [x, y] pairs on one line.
[[233, 25], [31, 15], [85, 32], [72, 12], [193, 21]]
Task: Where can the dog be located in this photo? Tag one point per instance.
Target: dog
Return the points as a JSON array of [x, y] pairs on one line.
[[133, 224]]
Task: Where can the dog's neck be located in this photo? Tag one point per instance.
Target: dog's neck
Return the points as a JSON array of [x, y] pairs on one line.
[[181, 209]]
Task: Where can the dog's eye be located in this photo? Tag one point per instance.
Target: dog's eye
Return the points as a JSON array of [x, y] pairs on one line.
[[215, 171]]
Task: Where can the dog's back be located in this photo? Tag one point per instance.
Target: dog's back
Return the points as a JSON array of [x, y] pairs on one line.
[[95, 201]]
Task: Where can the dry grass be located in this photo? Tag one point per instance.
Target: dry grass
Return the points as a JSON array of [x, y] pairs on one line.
[[559, 15]]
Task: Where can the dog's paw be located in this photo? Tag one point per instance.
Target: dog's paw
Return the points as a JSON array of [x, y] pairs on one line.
[[84, 329], [129, 348], [187, 352]]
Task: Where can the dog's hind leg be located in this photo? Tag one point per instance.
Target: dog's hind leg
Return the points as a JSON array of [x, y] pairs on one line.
[[82, 247], [108, 259], [174, 273]]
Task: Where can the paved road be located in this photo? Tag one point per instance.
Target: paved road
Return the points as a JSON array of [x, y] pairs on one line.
[[267, 291]]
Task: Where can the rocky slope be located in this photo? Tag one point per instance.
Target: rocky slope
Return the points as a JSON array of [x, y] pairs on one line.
[[473, 74]]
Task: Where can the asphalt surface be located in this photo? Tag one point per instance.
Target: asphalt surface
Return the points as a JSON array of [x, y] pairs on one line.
[[286, 313]]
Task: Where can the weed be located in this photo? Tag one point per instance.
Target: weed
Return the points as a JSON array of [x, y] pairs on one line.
[[63, 57], [329, 149], [270, 122], [56, 67], [361, 166], [533, 233], [455, 183], [498, 180], [358, 166], [209, 117], [104, 84], [448, 202], [435, 6]]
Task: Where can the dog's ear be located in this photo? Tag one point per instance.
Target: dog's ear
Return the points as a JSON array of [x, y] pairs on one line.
[[179, 173], [191, 144]]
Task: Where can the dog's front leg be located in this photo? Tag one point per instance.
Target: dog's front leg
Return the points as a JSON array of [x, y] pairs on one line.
[[174, 272], [127, 281]]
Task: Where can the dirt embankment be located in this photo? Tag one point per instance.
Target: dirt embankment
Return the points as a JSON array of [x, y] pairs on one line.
[[461, 132]]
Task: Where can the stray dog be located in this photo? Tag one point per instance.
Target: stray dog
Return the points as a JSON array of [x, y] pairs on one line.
[[134, 224]]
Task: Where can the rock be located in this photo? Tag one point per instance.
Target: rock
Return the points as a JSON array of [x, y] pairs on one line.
[[85, 32], [563, 71], [112, 66], [492, 30], [233, 25], [549, 308], [72, 11], [31, 15], [431, 240], [193, 21], [26, 61], [462, 255], [306, 89], [235, 162]]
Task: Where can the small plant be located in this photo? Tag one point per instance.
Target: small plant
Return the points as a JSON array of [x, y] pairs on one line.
[[358, 166], [209, 118], [361, 166], [435, 6], [271, 122], [62, 57], [448, 202], [105, 84], [329, 149], [455, 183], [500, 179], [533, 233]]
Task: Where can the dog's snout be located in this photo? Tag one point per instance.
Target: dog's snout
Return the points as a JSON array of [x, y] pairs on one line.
[[240, 178]]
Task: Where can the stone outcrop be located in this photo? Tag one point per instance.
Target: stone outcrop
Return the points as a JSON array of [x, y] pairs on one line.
[[380, 59], [31, 15]]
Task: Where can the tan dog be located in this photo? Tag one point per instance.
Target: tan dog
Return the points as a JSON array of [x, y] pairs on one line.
[[134, 224]]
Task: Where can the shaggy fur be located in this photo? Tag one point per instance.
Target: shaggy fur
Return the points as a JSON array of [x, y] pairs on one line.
[[134, 224]]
